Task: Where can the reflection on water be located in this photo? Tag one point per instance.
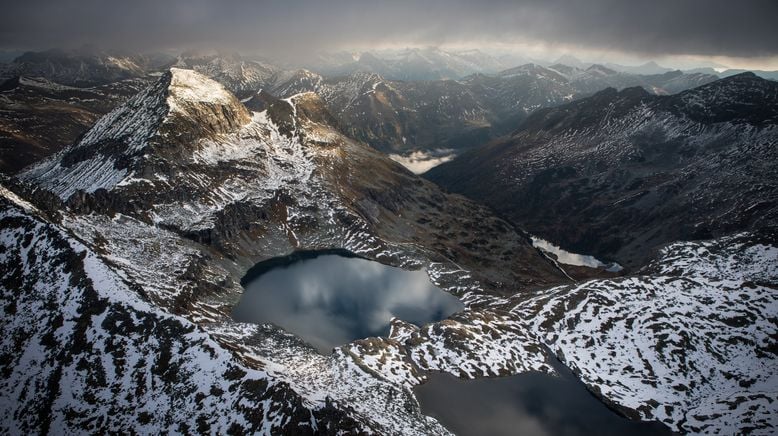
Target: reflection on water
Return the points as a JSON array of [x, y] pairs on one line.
[[330, 300], [525, 404]]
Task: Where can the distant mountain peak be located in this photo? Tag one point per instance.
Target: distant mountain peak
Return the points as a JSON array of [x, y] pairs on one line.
[[572, 61], [745, 74], [85, 67], [744, 97], [598, 68], [530, 68]]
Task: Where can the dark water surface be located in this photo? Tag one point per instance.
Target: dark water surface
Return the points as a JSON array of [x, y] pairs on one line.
[[531, 404], [331, 298]]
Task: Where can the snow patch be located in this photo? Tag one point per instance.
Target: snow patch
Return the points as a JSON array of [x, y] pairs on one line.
[[421, 161], [569, 258]]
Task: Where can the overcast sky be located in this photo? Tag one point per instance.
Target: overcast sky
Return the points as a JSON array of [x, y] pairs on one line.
[[706, 29]]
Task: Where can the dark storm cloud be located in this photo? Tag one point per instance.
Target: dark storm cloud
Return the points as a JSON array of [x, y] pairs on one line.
[[697, 27]]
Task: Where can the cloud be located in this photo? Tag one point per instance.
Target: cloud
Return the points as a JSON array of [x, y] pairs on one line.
[[662, 27]]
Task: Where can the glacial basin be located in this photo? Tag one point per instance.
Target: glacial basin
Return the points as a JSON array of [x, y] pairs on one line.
[[330, 298]]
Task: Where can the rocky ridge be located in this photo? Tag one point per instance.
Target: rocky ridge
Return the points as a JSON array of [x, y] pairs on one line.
[[640, 170], [39, 117]]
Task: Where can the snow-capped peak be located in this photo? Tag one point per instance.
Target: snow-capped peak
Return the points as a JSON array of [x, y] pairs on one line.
[[204, 102], [191, 86]]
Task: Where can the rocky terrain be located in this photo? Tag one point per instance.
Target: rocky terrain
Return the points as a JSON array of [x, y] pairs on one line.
[[39, 117], [84, 67], [122, 256], [208, 188], [639, 170]]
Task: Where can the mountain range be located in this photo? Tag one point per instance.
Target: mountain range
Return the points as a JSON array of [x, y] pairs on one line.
[[394, 116], [125, 235], [640, 170], [402, 116]]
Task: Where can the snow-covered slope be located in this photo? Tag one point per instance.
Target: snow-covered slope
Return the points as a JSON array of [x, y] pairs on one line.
[[690, 342], [39, 117], [83, 351], [193, 161], [181, 195]]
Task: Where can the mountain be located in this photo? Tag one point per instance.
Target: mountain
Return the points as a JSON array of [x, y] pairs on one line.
[[238, 74], [572, 61], [673, 82], [704, 70], [523, 88], [598, 77], [484, 62], [434, 119], [396, 116], [9, 55], [149, 141], [640, 170], [84, 67], [771, 75], [446, 115], [39, 117], [122, 256], [647, 68], [411, 64]]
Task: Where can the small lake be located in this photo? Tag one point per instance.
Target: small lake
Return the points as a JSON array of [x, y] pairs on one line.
[[330, 298], [531, 404]]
